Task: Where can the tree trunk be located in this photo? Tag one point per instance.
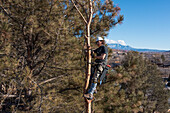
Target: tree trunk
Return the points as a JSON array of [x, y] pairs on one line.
[[87, 38], [88, 70]]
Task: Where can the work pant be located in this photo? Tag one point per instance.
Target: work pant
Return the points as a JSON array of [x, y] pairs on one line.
[[98, 71]]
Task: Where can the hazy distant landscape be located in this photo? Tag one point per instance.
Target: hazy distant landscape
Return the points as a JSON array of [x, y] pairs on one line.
[[161, 59], [128, 48], [158, 57]]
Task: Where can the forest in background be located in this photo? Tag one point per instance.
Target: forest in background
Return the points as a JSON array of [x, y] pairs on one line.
[[43, 62]]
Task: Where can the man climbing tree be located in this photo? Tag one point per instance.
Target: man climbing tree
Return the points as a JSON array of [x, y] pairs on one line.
[[98, 17], [100, 63]]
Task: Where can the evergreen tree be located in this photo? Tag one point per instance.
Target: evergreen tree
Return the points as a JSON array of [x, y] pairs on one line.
[[163, 58], [156, 97], [34, 28], [136, 86]]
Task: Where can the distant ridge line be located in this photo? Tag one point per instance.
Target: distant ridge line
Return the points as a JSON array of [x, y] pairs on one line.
[[128, 48]]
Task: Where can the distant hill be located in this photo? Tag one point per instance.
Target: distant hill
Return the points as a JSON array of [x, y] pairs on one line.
[[168, 51], [128, 48]]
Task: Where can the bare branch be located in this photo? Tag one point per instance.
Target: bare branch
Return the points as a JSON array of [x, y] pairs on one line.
[[82, 8], [48, 34], [91, 12], [79, 12], [51, 79], [5, 96], [10, 96], [6, 12]]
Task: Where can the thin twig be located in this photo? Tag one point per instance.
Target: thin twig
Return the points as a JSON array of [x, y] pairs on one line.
[[48, 80]]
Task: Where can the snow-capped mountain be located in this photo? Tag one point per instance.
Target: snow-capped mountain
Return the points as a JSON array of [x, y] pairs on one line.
[[128, 48], [121, 45]]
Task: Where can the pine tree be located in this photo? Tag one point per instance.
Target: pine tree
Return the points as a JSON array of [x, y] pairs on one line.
[[156, 97], [163, 58], [33, 32], [136, 86]]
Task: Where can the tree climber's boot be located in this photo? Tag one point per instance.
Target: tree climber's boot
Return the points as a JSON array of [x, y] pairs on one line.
[[88, 96]]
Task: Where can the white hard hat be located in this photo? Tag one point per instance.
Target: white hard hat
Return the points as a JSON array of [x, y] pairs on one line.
[[99, 38]]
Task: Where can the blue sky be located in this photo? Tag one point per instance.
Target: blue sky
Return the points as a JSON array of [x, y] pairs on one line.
[[146, 24]]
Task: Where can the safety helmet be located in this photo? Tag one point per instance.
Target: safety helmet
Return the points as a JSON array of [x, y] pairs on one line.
[[99, 38]]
